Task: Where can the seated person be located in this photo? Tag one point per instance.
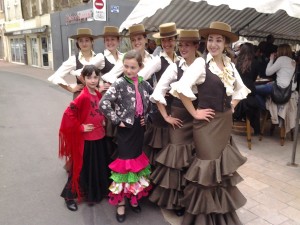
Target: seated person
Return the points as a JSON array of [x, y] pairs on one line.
[[247, 66]]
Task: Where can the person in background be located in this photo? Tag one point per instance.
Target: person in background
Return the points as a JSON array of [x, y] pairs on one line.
[[84, 42], [125, 103], [138, 39], [174, 159], [284, 67], [82, 141], [270, 47], [111, 38], [248, 68], [211, 196], [157, 133], [151, 46]]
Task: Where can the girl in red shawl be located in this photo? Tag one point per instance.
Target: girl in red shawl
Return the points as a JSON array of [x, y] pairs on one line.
[[82, 140]]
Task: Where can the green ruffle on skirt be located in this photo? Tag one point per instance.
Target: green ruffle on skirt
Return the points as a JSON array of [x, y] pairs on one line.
[[130, 177]]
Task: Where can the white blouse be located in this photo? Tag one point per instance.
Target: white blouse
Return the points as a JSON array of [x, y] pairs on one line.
[[284, 67], [196, 74], [70, 65], [155, 65], [167, 78], [110, 57], [117, 70]]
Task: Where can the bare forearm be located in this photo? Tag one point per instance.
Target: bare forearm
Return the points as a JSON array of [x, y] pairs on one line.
[[162, 109]]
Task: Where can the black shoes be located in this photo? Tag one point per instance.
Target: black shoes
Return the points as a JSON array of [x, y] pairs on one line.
[[136, 209], [179, 212], [120, 217], [71, 204]]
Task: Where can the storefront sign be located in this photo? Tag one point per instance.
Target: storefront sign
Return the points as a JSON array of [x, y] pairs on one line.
[[79, 16], [28, 31], [99, 10]]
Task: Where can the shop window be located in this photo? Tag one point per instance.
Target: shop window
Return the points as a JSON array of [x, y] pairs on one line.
[[17, 46]]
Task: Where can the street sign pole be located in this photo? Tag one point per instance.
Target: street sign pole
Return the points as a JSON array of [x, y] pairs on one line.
[[292, 163]]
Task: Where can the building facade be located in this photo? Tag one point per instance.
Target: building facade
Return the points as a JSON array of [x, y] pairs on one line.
[[66, 22], [36, 32], [27, 33]]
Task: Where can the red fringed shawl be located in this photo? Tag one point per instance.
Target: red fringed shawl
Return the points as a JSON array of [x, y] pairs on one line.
[[71, 139]]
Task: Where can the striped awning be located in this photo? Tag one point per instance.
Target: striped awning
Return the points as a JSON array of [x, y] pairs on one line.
[[254, 19]]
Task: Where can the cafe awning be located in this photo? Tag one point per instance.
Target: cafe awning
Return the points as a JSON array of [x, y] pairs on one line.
[[254, 19]]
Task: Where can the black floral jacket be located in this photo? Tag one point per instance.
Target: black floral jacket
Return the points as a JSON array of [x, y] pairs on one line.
[[118, 103]]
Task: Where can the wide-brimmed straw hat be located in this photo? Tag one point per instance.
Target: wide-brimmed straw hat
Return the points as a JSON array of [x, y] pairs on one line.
[[83, 32], [189, 35], [137, 29], [221, 28], [166, 30], [110, 31]]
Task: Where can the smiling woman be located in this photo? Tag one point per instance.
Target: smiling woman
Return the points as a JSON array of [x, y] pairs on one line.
[[211, 196]]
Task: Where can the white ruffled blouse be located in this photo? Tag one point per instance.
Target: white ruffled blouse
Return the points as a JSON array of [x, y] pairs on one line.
[[167, 78], [196, 74]]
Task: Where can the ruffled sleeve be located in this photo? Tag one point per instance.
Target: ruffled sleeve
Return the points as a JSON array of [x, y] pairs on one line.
[[114, 73], [163, 85], [194, 75], [63, 70], [153, 66]]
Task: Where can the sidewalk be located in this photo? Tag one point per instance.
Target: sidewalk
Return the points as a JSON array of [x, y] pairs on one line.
[[271, 187]]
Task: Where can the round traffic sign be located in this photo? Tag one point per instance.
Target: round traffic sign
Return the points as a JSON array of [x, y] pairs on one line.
[[99, 4]]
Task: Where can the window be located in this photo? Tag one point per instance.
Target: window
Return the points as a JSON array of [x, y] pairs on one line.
[[72, 47], [2, 5]]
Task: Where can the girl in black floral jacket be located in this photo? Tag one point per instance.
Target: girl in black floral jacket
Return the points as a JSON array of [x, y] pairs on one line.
[[126, 103]]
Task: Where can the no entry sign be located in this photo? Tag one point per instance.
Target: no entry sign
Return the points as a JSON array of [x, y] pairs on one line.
[[99, 10], [99, 4]]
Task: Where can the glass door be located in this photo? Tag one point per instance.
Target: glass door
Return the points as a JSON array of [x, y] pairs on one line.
[[45, 57], [34, 52]]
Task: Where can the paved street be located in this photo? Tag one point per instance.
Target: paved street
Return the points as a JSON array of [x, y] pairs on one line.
[[31, 175]]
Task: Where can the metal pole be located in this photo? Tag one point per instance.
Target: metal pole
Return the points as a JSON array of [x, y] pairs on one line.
[[292, 163]]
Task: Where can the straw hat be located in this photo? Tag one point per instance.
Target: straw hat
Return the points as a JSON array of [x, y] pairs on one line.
[[83, 32], [110, 31], [221, 28], [137, 29], [166, 30], [189, 35]]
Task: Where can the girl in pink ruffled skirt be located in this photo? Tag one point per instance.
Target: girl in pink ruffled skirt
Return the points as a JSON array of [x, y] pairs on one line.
[[126, 103]]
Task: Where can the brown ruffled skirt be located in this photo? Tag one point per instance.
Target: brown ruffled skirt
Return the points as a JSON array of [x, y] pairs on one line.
[[172, 163], [211, 194], [156, 136]]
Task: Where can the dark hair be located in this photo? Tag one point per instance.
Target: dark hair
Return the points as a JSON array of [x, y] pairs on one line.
[[77, 45], [133, 54], [245, 57], [88, 71]]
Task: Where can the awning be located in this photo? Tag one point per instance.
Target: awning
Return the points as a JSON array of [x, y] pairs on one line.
[[254, 19], [27, 31]]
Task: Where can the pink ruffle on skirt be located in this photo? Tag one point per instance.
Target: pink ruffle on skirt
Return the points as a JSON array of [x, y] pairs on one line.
[[124, 166]]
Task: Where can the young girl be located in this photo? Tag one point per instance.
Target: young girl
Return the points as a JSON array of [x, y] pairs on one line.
[[126, 103], [81, 139]]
